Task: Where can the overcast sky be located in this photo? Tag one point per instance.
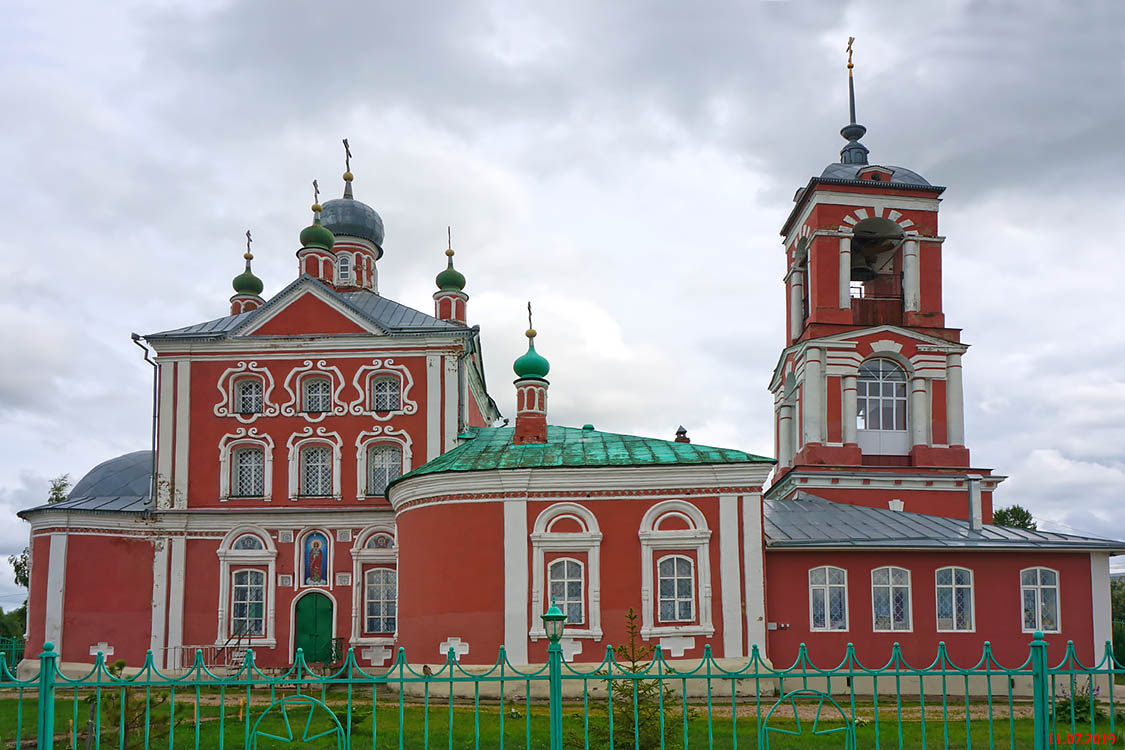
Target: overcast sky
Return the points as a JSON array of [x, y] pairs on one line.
[[626, 165]]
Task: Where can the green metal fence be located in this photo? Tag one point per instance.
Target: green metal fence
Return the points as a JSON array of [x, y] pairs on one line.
[[11, 649], [623, 702]]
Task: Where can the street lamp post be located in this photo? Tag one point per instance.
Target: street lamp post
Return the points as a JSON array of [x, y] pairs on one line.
[[553, 621]]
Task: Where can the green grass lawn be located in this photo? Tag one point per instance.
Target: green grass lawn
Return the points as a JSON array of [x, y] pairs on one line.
[[519, 727]]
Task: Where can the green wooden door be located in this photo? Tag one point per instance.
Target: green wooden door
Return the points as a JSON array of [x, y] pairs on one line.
[[314, 627]]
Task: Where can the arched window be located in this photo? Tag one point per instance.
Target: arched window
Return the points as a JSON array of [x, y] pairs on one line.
[[316, 395], [954, 599], [248, 542], [248, 396], [248, 469], [675, 589], [890, 598], [828, 598], [565, 584], [248, 603], [316, 471], [381, 600], [384, 463], [881, 398], [1039, 593], [344, 267], [385, 394]]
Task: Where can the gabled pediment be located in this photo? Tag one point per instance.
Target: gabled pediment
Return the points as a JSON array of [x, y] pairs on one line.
[[307, 307]]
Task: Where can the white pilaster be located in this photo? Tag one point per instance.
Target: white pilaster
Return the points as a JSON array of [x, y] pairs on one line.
[[451, 393], [911, 295], [785, 435], [919, 413], [165, 435], [515, 581], [433, 406], [954, 401], [729, 579], [845, 273], [754, 575], [159, 599], [176, 602], [850, 408], [796, 302], [1099, 584], [56, 591], [812, 398], [183, 425]]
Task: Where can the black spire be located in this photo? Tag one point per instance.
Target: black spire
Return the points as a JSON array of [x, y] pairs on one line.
[[855, 152]]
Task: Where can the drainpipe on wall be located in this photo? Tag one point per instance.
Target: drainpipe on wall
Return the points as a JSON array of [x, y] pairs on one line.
[[137, 339], [976, 510]]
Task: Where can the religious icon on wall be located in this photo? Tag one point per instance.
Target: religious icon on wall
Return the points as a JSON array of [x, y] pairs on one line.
[[315, 559]]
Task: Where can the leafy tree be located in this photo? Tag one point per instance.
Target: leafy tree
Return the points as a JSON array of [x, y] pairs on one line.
[[21, 563], [1015, 516], [1117, 609], [12, 623]]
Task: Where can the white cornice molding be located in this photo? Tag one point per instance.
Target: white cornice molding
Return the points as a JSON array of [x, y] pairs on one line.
[[797, 480], [218, 520], [891, 201], [289, 347]]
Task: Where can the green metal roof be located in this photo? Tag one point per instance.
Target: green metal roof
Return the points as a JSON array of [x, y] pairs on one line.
[[492, 448]]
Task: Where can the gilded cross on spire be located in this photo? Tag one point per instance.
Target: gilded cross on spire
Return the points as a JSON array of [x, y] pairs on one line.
[[249, 239], [851, 39]]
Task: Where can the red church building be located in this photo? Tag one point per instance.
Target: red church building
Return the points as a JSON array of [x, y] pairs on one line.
[[330, 471]]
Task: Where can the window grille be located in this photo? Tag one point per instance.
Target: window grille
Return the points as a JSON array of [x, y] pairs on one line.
[[248, 396], [318, 395], [890, 597], [381, 600], [565, 581], [954, 599], [316, 471], [881, 396], [1039, 592], [248, 541], [248, 603], [384, 463], [828, 598], [249, 472], [385, 394], [676, 586]]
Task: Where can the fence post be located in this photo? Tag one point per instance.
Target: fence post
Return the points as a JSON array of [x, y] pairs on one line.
[[554, 686], [46, 724], [1040, 686]]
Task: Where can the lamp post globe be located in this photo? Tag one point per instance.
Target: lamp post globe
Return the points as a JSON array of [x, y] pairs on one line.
[[553, 621]]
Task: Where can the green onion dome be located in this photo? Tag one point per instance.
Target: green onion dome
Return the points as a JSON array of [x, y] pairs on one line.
[[450, 280], [246, 282], [532, 364], [317, 235]]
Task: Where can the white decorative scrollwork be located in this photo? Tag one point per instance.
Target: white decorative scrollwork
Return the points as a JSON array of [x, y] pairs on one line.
[[245, 436], [379, 434], [226, 406], [362, 384], [310, 435], [292, 386]]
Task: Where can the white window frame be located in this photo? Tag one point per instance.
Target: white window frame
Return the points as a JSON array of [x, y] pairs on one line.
[[953, 586], [239, 384], [227, 405], [344, 270], [306, 397], [891, 586], [827, 588], [883, 441], [305, 438], [381, 434], [241, 438], [566, 579], [676, 599], [695, 538], [323, 486], [235, 586], [294, 386], [390, 461], [236, 468], [385, 377], [367, 599], [1038, 589], [364, 558], [230, 560], [587, 540], [362, 382]]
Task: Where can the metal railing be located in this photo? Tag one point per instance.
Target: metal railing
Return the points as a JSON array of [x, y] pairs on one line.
[[11, 649], [625, 701]]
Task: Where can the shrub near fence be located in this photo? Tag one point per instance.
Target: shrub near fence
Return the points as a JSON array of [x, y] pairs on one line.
[[700, 704]]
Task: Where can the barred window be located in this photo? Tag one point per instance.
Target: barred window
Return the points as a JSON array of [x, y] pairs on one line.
[[565, 582], [248, 396], [316, 471], [954, 599], [676, 586], [384, 463], [248, 542], [317, 394], [828, 598], [890, 598], [1039, 592], [249, 473], [248, 603], [385, 394], [881, 393], [381, 600]]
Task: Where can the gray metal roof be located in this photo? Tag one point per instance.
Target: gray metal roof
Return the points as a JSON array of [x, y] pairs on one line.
[[900, 175], [385, 313], [349, 217], [120, 484], [810, 521]]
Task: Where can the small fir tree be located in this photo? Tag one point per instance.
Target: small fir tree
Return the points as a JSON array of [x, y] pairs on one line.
[[1014, 516]]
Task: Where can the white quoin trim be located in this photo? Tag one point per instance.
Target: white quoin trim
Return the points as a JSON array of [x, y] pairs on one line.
[[515, 581], [159, 599], [177, 570], [696, 538], [730, 578], [183, 430], [241, 437], [56, 591], [229, 560], [433, 406], [754, 573], [452, 403], [306, 437], [588, 541], [165, 423], [364, 559], [1099, 584]]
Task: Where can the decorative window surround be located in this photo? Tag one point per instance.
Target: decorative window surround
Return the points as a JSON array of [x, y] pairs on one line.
[[362, 384], [653, 539], [379, 434], [245, 436], [226, 406], [362, 555], [295, 405], [589, 541], [309, 436], [231, 559]]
